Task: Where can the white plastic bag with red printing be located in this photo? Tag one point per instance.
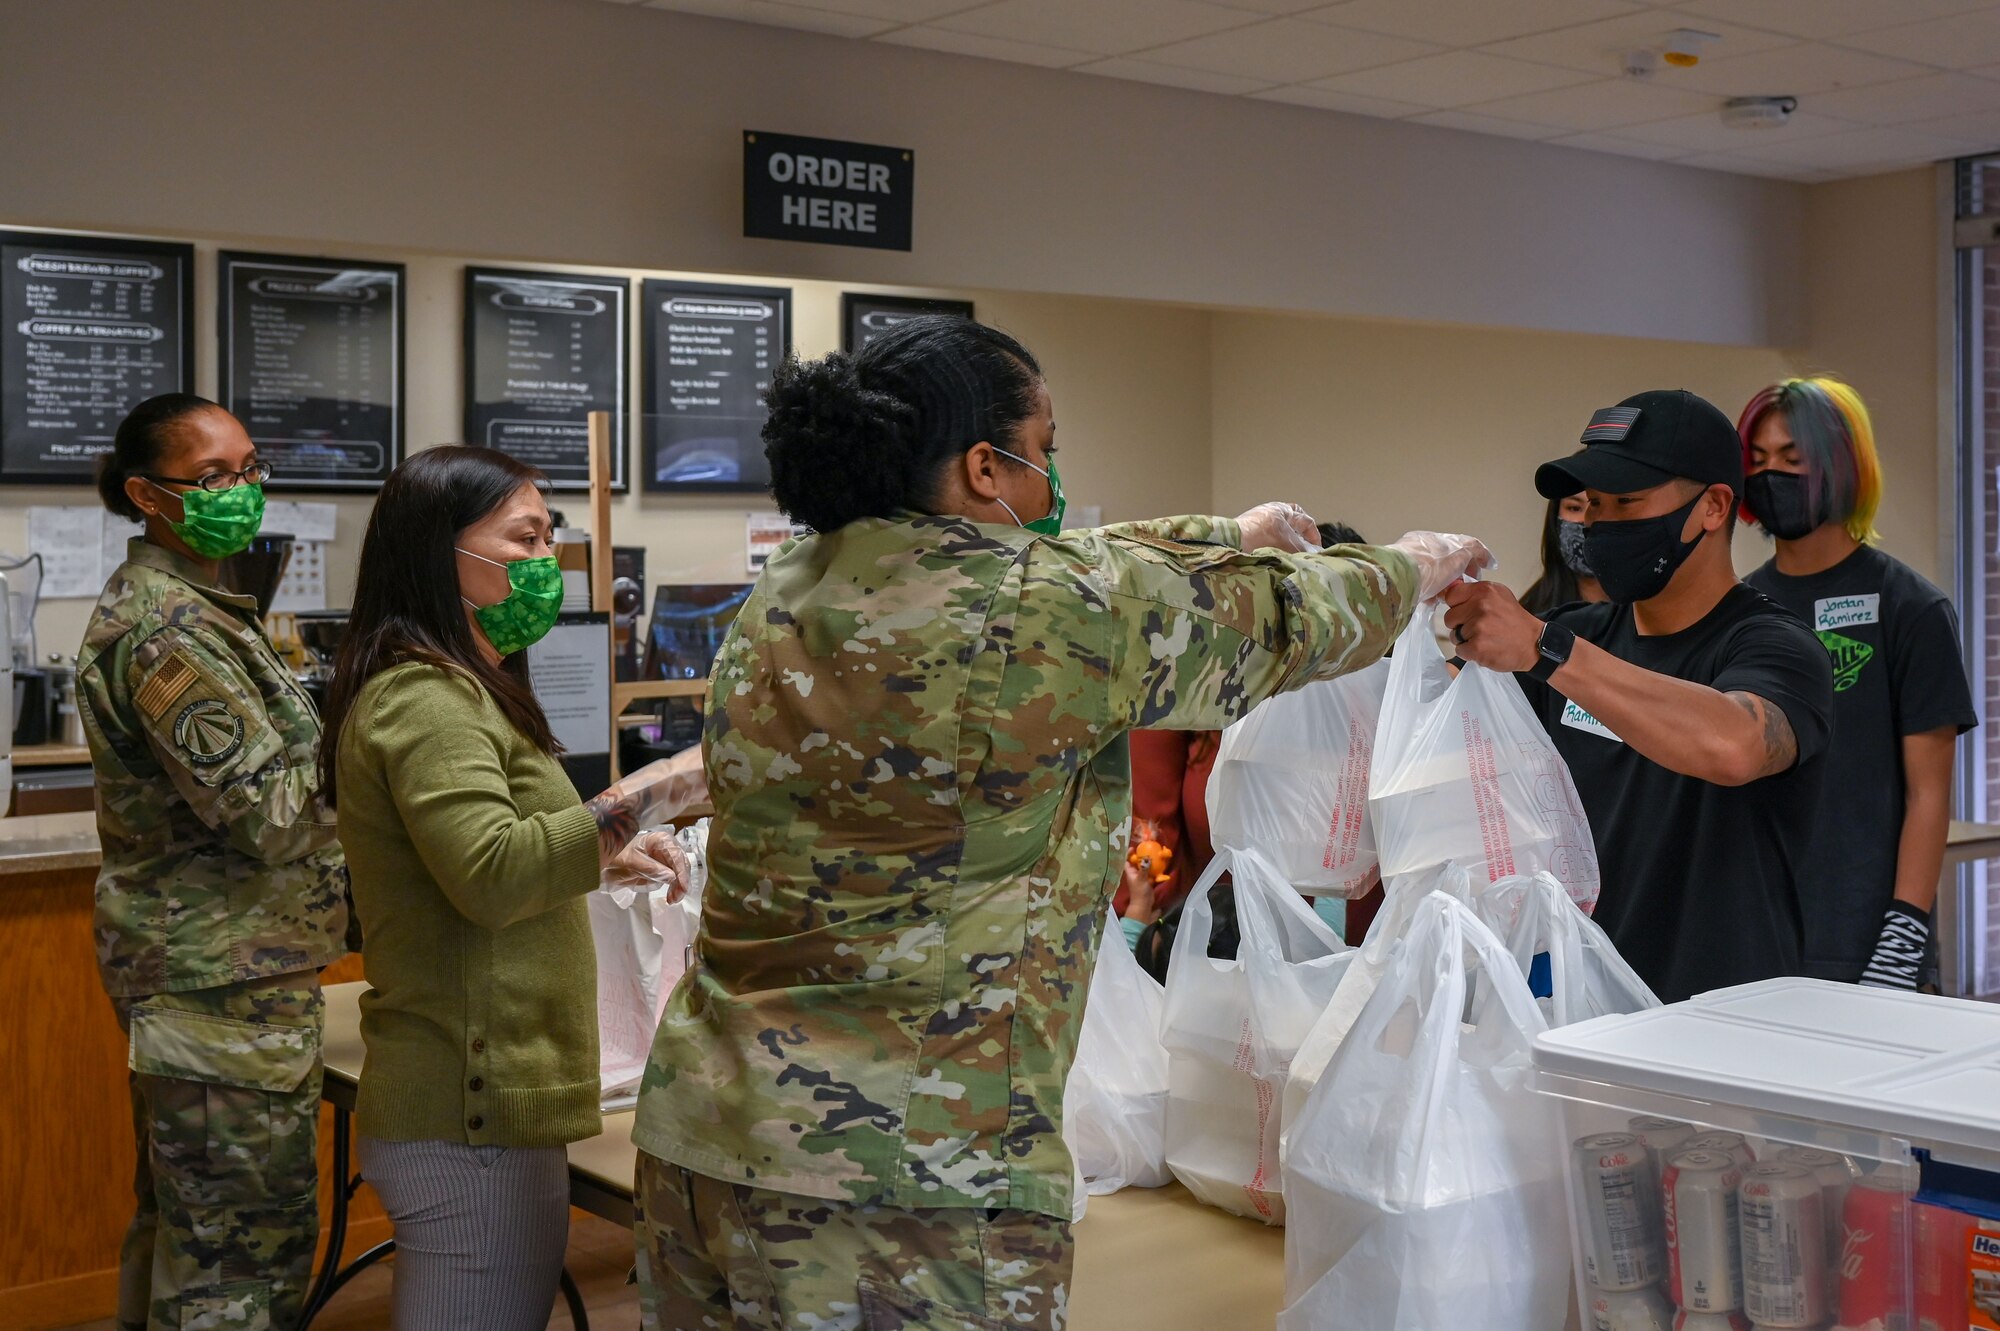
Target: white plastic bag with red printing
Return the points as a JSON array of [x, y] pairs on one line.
[[643, 942], [1115, 1102], [1291, 781], [1232, 1028], [1465, 774], [1424, 1174]]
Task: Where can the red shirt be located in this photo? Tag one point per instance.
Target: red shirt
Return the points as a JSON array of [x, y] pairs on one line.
[[1170, 793]]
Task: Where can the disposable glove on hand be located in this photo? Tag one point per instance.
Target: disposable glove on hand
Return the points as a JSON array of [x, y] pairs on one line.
[[1279, 526], [1443, 558]]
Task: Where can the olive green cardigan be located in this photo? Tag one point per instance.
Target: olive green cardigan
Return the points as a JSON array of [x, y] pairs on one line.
[[470, 855]]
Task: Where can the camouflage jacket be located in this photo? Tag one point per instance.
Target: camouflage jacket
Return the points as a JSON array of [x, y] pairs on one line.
[[916, 746], [220, 862]]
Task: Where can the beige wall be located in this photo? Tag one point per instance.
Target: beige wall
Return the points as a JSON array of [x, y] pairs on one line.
[[1394, 426], [1131, 381], [1871, 258], [593, 133]]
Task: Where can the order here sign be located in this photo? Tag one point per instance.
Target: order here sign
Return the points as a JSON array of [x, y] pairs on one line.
[[826, 191]]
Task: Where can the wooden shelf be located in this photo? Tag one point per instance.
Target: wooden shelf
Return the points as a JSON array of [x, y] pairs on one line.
[[57, 755], [623, 694]]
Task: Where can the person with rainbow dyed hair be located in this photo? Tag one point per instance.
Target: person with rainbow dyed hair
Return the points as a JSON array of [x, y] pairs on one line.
[[1901, 699]]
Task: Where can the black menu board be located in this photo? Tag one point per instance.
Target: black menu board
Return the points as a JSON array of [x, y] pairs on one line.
[[863, 318], [90, 327], [543, 351], [312, 364], [710, 351]]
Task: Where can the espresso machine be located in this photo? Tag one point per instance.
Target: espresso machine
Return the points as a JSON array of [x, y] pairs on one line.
[[319, 632]]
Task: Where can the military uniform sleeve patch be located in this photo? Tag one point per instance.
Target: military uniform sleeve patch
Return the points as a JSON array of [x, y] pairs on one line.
[[166, 686], [208, 732]]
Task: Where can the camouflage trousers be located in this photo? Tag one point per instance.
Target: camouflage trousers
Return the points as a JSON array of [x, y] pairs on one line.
[[225, 1106], [724, 1257]]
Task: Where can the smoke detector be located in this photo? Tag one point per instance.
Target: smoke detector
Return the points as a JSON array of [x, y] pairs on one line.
[[1683, 47], [1758, 112]]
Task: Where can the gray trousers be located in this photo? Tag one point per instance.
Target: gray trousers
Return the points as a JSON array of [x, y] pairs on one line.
[[480, 1232]]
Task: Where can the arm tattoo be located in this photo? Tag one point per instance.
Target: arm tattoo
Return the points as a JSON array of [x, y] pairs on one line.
[[1781, 746]]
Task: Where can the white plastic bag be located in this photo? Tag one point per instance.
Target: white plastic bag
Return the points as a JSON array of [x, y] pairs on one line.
[[1587, 977], [1424, 1180], [1291, 781], [643, 942], [1464, 773], [1232, 1028], [1115, 1103], [1358, 983]]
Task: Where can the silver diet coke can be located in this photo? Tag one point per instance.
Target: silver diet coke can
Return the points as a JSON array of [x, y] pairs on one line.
[[1687, 1321], [1782, 1215], [1663, 1136], [1618, 1212], [1630, 1310], [1704, 1257], [1836, 1174], [1730, 1143]]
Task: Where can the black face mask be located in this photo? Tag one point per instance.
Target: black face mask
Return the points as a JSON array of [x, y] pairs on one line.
[[1781, 504], [1637, 558], [1569, 540]]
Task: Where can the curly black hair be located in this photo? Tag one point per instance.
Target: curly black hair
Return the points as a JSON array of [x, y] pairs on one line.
[[866, 435]]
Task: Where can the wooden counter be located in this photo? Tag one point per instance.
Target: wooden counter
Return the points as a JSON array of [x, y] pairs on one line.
[[52, 755]]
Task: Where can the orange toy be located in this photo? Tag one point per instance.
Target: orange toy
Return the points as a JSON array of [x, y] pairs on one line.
[[1149, 855]]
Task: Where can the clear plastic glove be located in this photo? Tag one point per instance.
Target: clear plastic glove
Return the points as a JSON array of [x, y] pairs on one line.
[[651, 861], [661, 791], [1442, 559], [1279, 526]]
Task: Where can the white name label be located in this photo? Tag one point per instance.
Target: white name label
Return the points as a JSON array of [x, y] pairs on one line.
[[1577, 719], [1839, 612]]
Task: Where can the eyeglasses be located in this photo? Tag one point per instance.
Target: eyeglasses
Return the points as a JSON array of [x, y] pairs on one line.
[[254, 474]]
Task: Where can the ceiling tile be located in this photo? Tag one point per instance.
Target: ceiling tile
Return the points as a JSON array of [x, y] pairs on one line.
[[894, 11], [987, 48], [1273, 6], [1624, 147], [1173, 76], [1460, 23], [1705, 133], [1597, 47], [1981, 127], [1959, 42], [775, 15], [1456, 78], [1288, 51], [1606, 104], [1737, 164], [1328, 100], [1108, 27], [1799, 71], [1823, 19], [1478, 124], [1924, 98], [1857, 148]]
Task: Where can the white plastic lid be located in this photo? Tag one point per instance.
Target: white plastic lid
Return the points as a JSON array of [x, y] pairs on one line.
[[1915, 1065]]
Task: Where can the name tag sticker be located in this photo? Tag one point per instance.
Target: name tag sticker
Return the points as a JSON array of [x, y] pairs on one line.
[[1577, 719], [1839, 612]]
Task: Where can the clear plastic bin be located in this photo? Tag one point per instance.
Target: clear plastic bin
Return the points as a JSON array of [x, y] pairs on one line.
[[1704, 1216]]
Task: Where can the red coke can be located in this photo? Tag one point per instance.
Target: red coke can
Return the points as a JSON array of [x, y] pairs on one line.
[[1704, 1262], [1943, 1266], [1874, 1251]]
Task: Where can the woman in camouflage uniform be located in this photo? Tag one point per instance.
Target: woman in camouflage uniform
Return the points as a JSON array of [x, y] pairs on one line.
[[222, 891], [916, 747]]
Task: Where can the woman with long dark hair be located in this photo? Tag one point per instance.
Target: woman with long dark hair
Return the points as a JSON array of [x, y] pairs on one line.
[[1566, 574], [472, 856], [917, 743]]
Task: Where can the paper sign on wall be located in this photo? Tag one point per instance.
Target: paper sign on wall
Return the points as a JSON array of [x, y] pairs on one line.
[[81, 546], [763, 534]]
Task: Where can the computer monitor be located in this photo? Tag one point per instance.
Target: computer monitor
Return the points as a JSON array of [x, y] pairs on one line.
[[688, 626]]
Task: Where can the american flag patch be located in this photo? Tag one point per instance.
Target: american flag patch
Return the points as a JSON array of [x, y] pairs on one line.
[[1610, 425], [168, 683]]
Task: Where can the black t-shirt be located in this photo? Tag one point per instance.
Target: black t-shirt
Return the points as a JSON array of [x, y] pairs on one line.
[[1893, 641], [1701, 882]]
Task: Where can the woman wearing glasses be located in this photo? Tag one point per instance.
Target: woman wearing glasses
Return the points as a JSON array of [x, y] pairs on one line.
[[222, 890]]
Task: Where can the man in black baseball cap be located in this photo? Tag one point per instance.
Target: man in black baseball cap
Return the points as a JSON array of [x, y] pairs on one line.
[[1691, 710]]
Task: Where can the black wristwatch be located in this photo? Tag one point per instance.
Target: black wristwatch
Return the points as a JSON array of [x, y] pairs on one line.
[[1553, 649]]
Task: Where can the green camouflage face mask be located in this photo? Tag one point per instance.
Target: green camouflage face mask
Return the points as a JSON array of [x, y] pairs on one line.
[[217, 523], [529, 611]]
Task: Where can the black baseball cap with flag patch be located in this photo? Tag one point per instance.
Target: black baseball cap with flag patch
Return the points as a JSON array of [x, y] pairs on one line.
[[1648, 440]]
